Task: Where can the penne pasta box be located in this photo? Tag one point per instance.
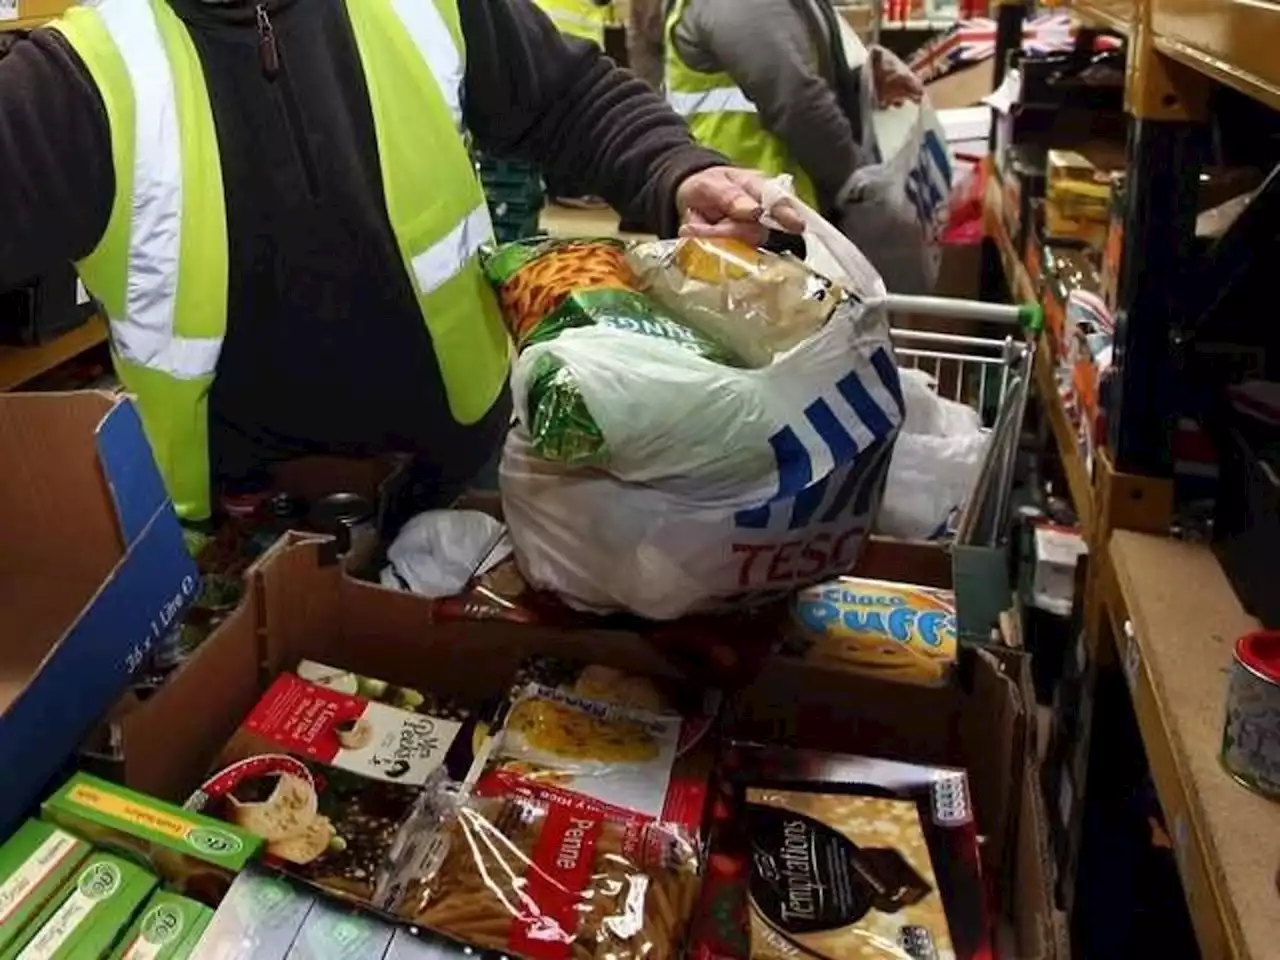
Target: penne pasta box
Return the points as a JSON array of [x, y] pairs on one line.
[[587, 804], [34, 864], [196, 855], [168, 928], [91, 911]]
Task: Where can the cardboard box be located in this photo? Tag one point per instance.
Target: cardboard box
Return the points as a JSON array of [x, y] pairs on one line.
[[34, 864], [259, 919], [168, 928], [1078, 192], [300, 605], [93, 571], [89, 914], [195, 854]]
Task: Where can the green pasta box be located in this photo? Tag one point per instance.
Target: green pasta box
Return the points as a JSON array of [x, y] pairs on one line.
[[90, 913], [168, 928], [34, 864], [334, 932], [196, 855], [259, 919]]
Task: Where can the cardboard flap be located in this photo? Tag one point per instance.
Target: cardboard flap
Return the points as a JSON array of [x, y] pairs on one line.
[[52, 487], [172, 738], [130, 470]]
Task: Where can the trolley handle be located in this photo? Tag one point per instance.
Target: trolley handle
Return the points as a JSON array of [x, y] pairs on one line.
[[1028, 316]]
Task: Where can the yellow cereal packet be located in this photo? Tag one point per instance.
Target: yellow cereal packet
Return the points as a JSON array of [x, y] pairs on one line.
[[894, 631]]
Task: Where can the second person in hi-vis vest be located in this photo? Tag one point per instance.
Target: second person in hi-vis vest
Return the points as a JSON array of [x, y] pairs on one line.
[[768, 84], [275, 205], [585, 19]]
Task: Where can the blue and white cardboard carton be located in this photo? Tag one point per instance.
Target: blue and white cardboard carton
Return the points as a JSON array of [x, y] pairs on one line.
[[93, 572]]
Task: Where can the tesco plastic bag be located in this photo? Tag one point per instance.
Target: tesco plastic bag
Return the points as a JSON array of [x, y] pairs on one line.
[[896, 209], [935, 463], [720, 484]]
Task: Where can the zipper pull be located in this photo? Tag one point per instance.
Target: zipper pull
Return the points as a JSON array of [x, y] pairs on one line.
[[268, 54]]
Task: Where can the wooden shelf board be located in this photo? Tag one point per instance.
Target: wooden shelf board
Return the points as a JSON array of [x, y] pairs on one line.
[[1230, 41], [19, 365], [1184, 621], [29, 23], [1114, 15]]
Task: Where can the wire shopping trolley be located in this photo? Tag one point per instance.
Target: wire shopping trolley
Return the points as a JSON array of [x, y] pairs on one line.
[[993, 376]]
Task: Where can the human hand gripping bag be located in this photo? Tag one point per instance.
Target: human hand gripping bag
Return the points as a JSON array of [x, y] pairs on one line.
[[704, 483]]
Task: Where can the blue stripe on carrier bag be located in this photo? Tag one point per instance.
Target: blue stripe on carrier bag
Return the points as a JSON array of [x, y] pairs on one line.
[[928, 184], [795, 461]]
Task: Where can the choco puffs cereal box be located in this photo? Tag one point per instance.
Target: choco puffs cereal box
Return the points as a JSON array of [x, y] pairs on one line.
[[891, 631]]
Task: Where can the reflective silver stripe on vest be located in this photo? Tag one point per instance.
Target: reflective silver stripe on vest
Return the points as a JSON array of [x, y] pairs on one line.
[[446, 257], [146, 334], [430, 34], [720, 100]]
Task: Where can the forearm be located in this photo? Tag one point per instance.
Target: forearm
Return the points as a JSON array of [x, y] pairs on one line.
[[57, 183], [533, 93]]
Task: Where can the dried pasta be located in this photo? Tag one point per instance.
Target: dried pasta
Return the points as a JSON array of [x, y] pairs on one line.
[[579, 838], [602, 894]]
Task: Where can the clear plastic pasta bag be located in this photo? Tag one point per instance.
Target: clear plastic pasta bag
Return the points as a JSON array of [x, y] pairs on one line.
[[539, 879], [580, 835]]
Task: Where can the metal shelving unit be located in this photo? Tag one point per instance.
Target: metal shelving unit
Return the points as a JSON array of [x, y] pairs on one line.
[[1161, 609]]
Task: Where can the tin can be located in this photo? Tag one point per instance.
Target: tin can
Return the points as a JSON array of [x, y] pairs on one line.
[[348, 517], [1251, 740]]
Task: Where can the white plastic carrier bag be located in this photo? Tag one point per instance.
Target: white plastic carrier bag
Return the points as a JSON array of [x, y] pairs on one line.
[[935, 464], [722, 485], [896, 208]]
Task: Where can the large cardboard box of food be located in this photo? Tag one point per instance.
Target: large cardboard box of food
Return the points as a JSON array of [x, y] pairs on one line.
[[93, 571], [300, 606]]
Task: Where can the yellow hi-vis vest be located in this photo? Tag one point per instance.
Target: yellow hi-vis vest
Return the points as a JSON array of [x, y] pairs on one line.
[[161, 267], [578, 18], [722, 117]]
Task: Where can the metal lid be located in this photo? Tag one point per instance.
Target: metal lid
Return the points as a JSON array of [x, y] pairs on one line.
[[1260, 652], [346, 509]]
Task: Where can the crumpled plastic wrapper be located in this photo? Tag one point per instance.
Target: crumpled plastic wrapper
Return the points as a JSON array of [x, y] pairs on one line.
[[756, 303]]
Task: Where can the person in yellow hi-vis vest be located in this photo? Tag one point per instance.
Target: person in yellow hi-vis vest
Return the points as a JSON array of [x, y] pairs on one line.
[[274, 203], [768, 84], [585, 19]]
